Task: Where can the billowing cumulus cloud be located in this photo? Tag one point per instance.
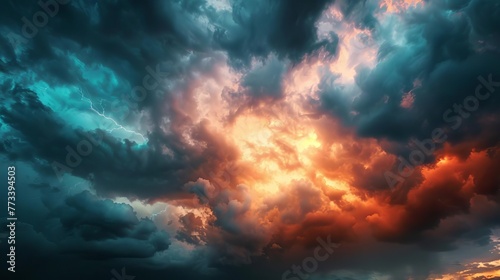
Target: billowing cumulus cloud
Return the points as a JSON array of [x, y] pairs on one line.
[[225, 139]]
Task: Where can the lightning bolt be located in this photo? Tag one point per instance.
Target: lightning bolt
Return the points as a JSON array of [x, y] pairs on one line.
[[117, 126], [161, 212]]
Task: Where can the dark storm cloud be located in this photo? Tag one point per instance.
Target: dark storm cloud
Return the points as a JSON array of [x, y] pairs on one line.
[[439, 64], [485, 17], [19, 115], [258, 28], [266, 80], [77, 229], [96, 228], [447, 47], [360, 12], [191, 226], [332, 98], [234, 234], [260, 85], [126, 37], [475, 226], [39, 133]]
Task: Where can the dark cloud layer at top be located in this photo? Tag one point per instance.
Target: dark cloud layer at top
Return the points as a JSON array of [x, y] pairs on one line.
[[439, 73], [286, 28]]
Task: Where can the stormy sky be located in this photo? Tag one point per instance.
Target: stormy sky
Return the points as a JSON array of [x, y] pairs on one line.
[[258, 139]]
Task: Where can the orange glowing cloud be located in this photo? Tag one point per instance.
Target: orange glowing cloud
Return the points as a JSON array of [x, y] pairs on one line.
[[396, 6], [280, 165]]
